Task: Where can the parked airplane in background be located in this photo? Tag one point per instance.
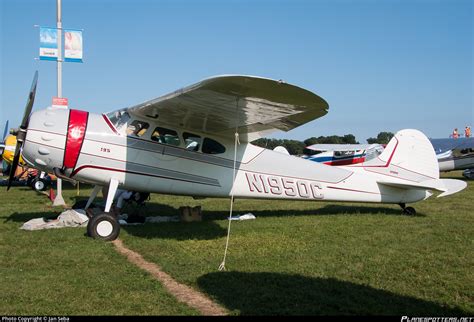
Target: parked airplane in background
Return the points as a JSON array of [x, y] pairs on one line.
[[344, 154], [195, 142], [452, 154], [4, 139], [25, 175]]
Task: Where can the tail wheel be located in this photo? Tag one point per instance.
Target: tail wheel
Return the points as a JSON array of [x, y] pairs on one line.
[[103, 226], [410, 211]]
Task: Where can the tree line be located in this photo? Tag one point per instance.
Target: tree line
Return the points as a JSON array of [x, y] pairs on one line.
[[296, 147]]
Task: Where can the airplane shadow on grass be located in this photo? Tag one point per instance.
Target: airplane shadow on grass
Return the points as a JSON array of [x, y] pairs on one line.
[[284, 294], [24, 217], [329, 210], [208, 229]]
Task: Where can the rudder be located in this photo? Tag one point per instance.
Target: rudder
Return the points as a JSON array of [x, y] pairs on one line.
[[409, 155]]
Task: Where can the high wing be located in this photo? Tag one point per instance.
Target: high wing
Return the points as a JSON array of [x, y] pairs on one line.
[[218, 105], [443, 145]]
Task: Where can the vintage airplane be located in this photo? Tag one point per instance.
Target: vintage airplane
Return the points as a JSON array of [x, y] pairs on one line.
[[452, 154], [344, 154], [25, 175], [195, 142], [4, 139]]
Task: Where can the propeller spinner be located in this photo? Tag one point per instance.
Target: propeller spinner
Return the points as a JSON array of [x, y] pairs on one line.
[[21, 134]]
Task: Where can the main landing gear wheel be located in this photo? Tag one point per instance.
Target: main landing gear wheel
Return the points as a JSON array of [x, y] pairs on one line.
[[39, 184], [410, 211], [103, 226]]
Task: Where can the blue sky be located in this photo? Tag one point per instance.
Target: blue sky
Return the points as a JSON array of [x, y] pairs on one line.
[[382, 65]]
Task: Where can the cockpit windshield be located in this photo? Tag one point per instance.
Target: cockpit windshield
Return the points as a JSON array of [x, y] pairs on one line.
[[119, 118]]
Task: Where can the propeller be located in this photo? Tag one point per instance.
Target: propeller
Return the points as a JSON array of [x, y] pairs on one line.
[[21, 132], [2, 145]]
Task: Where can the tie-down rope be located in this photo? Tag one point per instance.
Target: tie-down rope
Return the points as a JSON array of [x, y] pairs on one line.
[[236, 142]]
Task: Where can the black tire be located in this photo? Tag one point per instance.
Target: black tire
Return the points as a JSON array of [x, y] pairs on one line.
[[103, 226], [39, 184], [410, 211]]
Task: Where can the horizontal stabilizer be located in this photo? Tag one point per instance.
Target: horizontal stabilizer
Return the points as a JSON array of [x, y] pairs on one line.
[[446, 186], [452, 186]]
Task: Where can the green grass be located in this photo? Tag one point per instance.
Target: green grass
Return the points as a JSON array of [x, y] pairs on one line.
[[62, 272], [303, 258]]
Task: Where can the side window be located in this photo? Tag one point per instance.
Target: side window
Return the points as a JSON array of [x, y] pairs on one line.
[[210, 146], [137, 128], [165, 136], [343, 153], [118, 118], [192, 141]]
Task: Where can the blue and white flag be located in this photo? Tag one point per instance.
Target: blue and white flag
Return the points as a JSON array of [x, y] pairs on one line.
[[73, 45], [48, 43]]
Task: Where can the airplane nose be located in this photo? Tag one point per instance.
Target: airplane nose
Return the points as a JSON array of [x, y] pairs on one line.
[[76, 131], [46, 138]]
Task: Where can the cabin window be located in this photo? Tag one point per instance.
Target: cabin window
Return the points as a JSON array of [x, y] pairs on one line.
[[165, 136], [343, 153], [137, 128], [119, 118], [192, 141], [211, 146]]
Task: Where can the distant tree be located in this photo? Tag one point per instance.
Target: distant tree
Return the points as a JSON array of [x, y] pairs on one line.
[[382, 138], [296, 147], [311, 141], [333, 139], [266, 143], [349, 139]]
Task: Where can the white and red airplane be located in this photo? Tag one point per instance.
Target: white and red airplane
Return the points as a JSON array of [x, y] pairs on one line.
[[344, 154], [452, 154], [195, 142]]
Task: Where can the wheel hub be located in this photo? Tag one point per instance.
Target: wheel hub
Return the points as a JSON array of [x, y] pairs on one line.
[[104, 228]]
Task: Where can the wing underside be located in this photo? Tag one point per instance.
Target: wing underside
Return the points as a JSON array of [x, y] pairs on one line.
[[219, 105]]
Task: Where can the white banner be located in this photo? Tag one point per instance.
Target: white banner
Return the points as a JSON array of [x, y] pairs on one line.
[[48, 43], [73, 45]]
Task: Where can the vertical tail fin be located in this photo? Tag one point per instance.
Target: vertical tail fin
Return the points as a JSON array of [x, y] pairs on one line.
[[409, 161], [409, 155]]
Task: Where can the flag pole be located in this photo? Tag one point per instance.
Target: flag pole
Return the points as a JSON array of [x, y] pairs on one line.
[[59, 201]]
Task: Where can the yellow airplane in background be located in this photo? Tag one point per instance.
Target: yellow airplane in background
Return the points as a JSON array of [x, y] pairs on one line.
[[9, 150], [34, 178]]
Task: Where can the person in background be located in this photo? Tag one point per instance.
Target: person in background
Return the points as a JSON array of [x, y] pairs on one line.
[[455, 134], [467, 131], [120, 196]]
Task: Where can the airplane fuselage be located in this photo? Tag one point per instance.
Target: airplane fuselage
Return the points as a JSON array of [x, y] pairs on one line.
[[90, 148]]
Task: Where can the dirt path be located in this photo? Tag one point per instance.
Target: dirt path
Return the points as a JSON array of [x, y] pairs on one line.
[[183, 293]]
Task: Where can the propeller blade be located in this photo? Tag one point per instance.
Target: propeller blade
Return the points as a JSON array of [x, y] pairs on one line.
[[29, 102], [16, 159], [20, 136], [5, 132]]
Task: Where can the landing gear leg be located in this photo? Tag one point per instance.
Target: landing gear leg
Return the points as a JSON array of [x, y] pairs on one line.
[[410, 211], [105, 225], [94, 193], [113, 185]]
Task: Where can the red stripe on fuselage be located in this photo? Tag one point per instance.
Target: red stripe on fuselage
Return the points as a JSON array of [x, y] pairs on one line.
[[112, 127], [76, 130]]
